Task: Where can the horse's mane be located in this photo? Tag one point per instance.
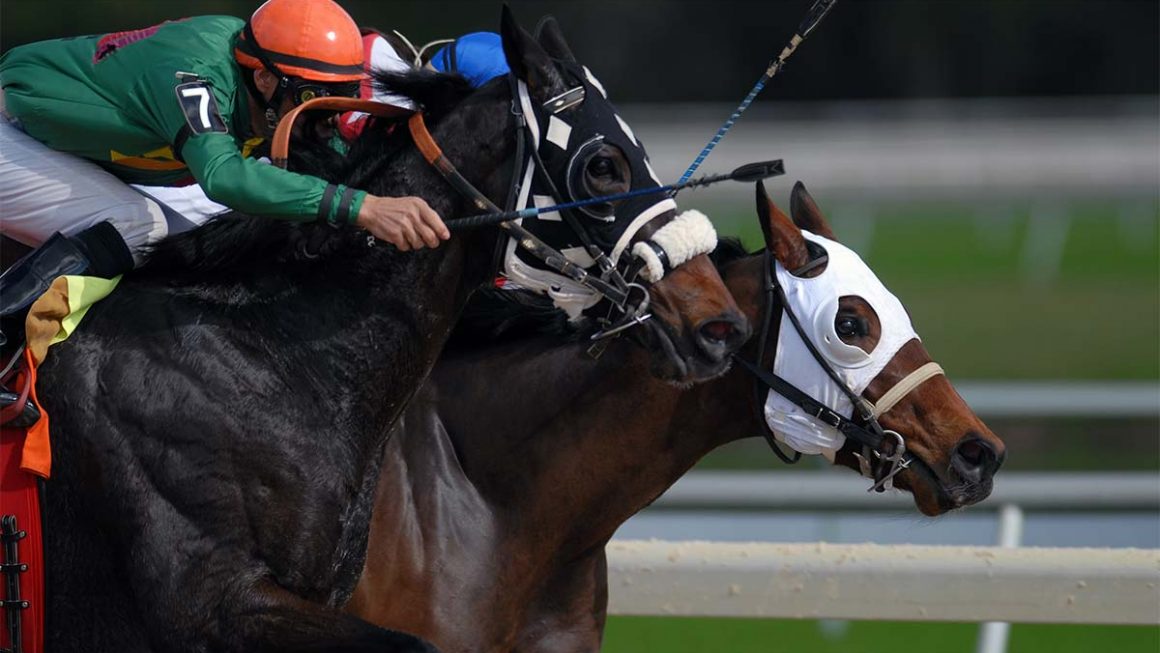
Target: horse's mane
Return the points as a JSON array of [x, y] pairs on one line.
[[729, 249], [494, 316], [223, 246]]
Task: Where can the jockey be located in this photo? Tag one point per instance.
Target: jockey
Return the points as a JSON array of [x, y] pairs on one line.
[[178, 103], [477, 56]]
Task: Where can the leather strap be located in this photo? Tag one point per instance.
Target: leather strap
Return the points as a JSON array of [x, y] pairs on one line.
[[280, 149], [15, 409], [433, 154], [424, 141], [903, 387], [814, 407]]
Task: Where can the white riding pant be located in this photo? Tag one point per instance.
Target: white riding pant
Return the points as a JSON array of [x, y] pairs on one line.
[[43, 191]]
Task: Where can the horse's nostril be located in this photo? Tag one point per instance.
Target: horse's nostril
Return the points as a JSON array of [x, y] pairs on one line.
[[975, 459], [721, 336], [719, 330], [972, 451]]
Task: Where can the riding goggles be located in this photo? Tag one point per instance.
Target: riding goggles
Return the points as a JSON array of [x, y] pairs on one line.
[[302, 90]]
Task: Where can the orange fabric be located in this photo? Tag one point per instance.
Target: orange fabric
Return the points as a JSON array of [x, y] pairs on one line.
[[36, 456], [41, 326], [311, 30]]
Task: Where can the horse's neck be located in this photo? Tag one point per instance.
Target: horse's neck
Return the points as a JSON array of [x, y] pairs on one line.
[[577, 446]]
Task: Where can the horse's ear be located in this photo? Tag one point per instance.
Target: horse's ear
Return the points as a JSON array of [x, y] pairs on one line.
[[806, 214], [528, 60], [552, 39], [782, 237]]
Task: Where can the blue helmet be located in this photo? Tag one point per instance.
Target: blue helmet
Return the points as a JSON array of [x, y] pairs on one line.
[[477, 56]]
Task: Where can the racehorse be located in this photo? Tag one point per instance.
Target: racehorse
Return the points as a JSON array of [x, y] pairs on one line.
[[219, 420], [517, 462]]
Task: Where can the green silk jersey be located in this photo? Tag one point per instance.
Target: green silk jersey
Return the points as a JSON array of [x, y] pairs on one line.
[[158, 106]]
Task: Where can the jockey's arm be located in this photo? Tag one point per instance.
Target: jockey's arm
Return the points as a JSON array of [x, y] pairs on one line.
[[203, 140], [201, 113], [254, 187]]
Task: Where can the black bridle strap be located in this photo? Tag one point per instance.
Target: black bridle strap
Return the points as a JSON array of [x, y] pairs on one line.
[[859, 404], [813, 407], [434, 156], [574, 224], [251, 47], [872, 438], [514, 187], [758, 389]]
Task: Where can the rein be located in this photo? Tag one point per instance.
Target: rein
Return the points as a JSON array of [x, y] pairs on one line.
[[750, 172], [627, 296], [280, 147], [884, 453], [814, 16], [434, 156]]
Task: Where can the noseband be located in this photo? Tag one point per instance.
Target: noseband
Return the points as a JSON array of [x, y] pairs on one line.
[[884, 453]]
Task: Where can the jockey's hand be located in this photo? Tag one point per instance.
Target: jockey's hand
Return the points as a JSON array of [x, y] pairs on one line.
[[405, 222]]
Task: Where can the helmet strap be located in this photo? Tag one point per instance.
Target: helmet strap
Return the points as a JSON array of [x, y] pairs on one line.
[[272, 104]]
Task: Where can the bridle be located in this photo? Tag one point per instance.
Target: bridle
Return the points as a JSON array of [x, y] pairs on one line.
[[628, 299], [883, 454]]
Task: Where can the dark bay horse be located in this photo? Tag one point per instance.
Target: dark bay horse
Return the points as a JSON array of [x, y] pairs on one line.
[[516, 463], [219, 420]]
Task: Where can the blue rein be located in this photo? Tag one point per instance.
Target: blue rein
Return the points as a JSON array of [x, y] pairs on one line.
[[817, 12]]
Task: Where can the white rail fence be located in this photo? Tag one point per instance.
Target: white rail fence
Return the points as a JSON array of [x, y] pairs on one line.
[[839, 490], [869, 581], [982, 150], [993, 586]]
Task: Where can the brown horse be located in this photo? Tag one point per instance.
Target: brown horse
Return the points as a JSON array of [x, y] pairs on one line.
[[515, 465]]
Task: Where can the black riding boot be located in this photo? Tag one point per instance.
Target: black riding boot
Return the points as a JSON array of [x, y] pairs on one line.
[[98, 251]]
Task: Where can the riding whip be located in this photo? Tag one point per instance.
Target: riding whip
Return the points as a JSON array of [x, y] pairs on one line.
[[815, 15], [749, 172]]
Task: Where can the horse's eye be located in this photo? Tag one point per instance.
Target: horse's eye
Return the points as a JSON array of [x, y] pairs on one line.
[[600, 166], [849, 326]]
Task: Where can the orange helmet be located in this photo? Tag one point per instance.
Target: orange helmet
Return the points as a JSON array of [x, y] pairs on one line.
[[309, 39]]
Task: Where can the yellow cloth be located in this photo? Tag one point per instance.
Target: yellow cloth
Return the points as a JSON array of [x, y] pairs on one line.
[[53, 317], [57, 313]]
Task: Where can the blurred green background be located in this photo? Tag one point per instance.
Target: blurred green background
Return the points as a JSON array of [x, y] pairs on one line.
[[984, 311]]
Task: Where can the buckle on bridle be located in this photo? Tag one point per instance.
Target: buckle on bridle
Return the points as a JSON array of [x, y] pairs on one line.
[[565, 100], [897, 459], [633, 314], [828, 417]]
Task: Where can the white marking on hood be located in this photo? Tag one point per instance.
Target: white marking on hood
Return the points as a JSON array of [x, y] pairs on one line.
[[559, 132], [595, 82], [546, 200]]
